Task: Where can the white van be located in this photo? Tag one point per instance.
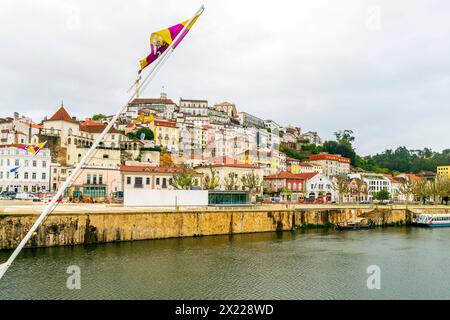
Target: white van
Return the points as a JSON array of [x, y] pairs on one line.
[[26, 196]]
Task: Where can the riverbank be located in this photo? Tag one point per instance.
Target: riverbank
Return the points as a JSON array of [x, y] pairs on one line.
[[86, 224]]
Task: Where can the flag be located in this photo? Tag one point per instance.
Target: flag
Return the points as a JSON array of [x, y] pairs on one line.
[[161, 40], [34, 148], [14, 170]]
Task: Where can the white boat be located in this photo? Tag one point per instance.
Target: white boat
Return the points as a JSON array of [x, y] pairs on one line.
[[432, 220]]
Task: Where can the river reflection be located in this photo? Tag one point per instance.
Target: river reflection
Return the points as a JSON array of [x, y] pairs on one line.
[[317, 264]]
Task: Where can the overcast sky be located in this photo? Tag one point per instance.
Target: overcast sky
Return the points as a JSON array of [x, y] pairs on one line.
[[380, 68]]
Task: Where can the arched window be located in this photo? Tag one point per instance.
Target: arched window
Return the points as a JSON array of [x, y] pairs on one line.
[[69, 141]]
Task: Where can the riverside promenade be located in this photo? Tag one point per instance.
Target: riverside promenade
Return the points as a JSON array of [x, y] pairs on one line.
[[71, 224]]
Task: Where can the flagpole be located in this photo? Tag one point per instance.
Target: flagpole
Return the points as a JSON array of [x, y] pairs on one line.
[[4, 267]]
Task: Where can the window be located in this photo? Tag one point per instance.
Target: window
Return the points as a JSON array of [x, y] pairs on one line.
[[16, 162], [88, 179], [128, 180], [94, 179], [44, 176], [157, 181], [25, 175], [105, 156], [44, 164], [138, 181], [147, 180], [26, 163], [34, 163], [100, 179], [33, 176]]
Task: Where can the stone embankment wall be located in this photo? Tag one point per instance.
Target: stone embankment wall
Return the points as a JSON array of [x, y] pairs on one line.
[[84, 228]]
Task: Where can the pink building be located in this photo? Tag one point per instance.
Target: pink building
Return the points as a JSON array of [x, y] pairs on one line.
[[97, 182]]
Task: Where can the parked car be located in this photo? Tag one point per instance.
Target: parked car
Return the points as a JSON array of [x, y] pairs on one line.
[[26, 196], [8, 195]]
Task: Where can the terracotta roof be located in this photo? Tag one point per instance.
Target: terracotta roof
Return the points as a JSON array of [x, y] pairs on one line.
[[152, 101], [152, 169], [37, 126], [62, 115], [90, 122], [164, 123], [97, 129], [292, 159], [326, 156]]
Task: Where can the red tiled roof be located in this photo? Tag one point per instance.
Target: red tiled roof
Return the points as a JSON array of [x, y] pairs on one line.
[[306, 164], [331, 157], [97, 129], [152, 101], [90, 122], [164, 123], [62, 115]]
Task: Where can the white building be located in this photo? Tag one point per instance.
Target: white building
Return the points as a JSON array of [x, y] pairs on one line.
[[319, 185], [33, 174], [375, 183], [194, 107]]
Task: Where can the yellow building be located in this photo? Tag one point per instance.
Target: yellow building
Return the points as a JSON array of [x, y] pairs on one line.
[[144, 118], [443, 171], [166, 134]]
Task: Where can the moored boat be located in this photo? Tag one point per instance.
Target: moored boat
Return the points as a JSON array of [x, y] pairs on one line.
[[432, 220], [355, 225]]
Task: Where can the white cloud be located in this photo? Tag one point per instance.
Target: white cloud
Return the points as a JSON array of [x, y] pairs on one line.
[[378, 67]]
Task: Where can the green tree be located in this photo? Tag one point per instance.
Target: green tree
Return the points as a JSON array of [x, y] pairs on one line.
[[251, 182], [420, 189], [341, 185], [231, 181], [211, 181], [98, 116], [137, 134], [183, 179], [382, 195]]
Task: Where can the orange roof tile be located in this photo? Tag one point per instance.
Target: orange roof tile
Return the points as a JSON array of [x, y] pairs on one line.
[[62, 115]]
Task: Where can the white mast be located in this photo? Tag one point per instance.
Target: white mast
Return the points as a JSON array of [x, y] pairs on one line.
[[4, 267]]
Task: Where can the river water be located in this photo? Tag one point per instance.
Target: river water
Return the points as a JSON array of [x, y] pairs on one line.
[[414, 263]]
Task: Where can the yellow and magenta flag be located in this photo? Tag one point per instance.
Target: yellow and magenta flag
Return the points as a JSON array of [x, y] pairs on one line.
[[34, 148], [161, 40]]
